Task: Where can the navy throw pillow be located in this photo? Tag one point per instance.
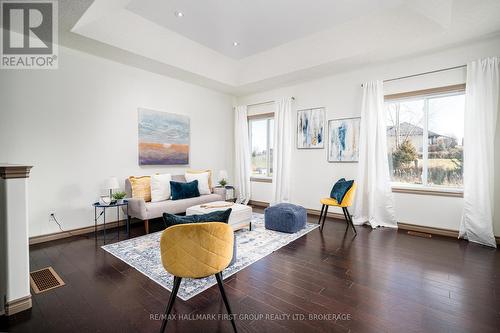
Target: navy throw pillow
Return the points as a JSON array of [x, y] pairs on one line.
[[217, 216], [184, 190], [340, 189]]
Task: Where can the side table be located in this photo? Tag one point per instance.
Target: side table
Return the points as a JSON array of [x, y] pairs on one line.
[[97, 206], [227, 193]]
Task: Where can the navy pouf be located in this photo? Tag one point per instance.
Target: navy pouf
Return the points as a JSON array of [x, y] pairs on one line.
[[285, 217]]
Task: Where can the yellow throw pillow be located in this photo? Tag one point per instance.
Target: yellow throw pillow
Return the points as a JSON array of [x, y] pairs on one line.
[[203, 171], [141, 187]]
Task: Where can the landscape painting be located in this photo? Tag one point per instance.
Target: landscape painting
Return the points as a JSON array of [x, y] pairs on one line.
[[163, 138], [311, 128], [343, 140]]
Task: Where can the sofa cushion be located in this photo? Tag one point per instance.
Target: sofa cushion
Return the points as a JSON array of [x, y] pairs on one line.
[[210, 184], [184, 190], [340, 189], [202, 179], [217, 216], [179, 178], [128, 185], [141, 187], [160, 187]]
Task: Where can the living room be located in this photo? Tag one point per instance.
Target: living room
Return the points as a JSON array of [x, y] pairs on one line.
[[353, 147]]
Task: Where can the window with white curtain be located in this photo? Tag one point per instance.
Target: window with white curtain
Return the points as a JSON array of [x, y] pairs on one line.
[[425, 133], [261, 145]]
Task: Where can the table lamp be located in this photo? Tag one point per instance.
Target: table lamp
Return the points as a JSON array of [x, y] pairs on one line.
[[111, 184]]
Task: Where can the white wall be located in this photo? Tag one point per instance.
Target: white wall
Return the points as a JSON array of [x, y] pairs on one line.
[[78, 126], [313, 176]]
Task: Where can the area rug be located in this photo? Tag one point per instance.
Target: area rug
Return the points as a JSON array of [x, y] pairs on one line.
[[143, 253]]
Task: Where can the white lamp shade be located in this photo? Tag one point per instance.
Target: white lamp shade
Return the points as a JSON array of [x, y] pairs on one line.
[[111, 183], [222, 174]]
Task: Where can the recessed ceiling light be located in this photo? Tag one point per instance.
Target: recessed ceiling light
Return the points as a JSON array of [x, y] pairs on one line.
[[236, 43], [179, 14]]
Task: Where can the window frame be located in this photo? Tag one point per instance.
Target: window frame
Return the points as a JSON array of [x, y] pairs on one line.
[[267, 116], [426, 94]]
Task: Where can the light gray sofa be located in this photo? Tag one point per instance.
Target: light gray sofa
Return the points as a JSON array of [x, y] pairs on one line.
[[145, 211]]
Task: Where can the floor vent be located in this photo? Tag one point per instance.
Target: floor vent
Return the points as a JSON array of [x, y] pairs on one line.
[[45, 279], [419, 234]]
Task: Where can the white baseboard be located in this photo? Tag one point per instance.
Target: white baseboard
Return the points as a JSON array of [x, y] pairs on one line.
[[401, 225], [18, 305]]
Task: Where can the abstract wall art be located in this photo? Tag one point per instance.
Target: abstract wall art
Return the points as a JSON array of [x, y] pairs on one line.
[[311, 128], [163, 138], [343, 140]]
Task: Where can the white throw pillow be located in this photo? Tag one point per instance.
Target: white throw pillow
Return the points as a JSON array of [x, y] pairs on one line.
[[202, 179], [160, 187]]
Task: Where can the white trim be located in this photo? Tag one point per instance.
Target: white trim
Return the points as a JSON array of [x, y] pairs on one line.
[[416, 187], [425, 145], [267, 118], [261, 179]]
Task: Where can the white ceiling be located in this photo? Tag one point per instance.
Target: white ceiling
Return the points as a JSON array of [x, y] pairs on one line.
[[280, 40], [257, 25]]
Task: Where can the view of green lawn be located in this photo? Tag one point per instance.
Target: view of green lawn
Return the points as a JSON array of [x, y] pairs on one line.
[[259, 164]]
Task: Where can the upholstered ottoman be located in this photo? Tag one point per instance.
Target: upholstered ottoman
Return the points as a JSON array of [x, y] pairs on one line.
[[285, 217], [241, 215]]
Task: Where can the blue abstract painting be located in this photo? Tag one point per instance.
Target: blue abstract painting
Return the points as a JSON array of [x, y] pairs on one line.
[[343, 145], [311, 128], [163, 138]]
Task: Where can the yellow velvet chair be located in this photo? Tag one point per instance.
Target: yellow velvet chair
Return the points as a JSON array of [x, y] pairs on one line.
[[346, 202], [196, 250]]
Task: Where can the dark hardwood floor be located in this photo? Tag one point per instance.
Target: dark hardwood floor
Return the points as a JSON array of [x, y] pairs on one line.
[[380, 281]]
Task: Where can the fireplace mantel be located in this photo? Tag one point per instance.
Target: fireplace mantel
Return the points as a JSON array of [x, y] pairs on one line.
[[14, 258], [9, 171]]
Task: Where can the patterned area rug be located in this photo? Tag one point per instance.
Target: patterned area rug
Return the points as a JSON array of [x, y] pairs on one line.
[[143, 253]]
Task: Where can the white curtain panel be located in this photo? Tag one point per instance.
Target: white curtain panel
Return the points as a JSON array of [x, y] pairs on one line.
[[374, 202], [481, 111], [242, 154], [282, 152]]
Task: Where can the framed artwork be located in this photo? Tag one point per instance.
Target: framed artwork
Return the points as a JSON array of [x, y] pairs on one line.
[[343, 140], [311, 128], [163, 138]]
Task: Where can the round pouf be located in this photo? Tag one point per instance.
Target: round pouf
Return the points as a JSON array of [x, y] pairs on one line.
[[285, 217]]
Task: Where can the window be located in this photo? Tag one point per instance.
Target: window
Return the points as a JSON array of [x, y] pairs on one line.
[[425, 138], [261, 145]]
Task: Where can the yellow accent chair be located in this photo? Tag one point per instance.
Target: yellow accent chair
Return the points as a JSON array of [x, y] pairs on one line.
[[346, 202], [196, 250]]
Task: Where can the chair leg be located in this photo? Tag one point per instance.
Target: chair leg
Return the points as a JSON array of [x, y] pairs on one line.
[[218, 276], [129, 219], [324, 218], [173, 295], [321, 214], [346, 219], [146, 226], [350, 221]]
